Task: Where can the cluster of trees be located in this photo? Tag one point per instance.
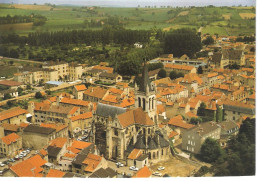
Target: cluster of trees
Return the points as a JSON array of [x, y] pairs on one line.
[[246, 39], [104, 36], [239, 156], [208, 41], [37, 20], [174, 75], [182, 41]]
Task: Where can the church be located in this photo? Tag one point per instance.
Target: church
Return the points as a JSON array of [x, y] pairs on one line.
[[117, 131]]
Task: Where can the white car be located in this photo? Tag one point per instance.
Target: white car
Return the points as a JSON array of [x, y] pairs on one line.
[[2, 165], [160, 168], [20, 156], [157, 174], [136, 169], [132, 167]]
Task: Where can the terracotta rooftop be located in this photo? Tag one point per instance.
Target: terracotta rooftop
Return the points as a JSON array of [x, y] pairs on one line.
[[86, 115], [58, 142], [30, 167], [136, 116], [10, 127], [172, 134], [80, 87], [11, 138], [9, 83], [75, 102], [108, 69], [55, 173], [92, 161], [97, 92], [179, 122], [144, 172], [80, 144], [181, 67], [16, 111], [134, 154], [58, 127]]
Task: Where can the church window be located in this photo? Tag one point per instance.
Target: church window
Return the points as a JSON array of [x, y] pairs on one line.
[[144, 104], [116, 132], [139, 102]]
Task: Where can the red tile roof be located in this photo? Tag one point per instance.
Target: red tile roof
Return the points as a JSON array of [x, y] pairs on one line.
[[134, 154], [86, 115], [16, 111], [80, 144], [76, 102], [80, 87], [30, 167], [179, 122], [144, 172], [58, 142], [92, 161], [9, 83], [55, 173], [58, 127], [11, 138], [172, 134]]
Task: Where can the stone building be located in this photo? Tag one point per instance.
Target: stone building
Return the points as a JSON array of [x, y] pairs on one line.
[[10, 144], [117, 131]]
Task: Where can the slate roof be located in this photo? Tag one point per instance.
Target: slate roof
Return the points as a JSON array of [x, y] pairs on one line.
[[108, 75], [103, 173], [142, 157], [204, 128], [38, 129], [79, 159], [53, 151], [228, 125], [105, 110]]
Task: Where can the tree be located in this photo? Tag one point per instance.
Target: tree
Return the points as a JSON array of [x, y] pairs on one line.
[[200, 71], [195, 121], [182, 41], [7, 96], [201, 109], [208, 41], [28, 87], [173, 75], [20, 91], [210, 150], [180, 74], [38, 95], [162, 73]]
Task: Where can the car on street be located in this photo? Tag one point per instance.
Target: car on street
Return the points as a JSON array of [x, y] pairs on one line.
[[16, 157], [157, 174], [135, 169], [2, 165], [160, 168], [132, 167], [119, 164], [20, 156]]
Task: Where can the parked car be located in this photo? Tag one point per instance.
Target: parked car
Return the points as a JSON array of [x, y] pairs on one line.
[[2, 165], [16, 157], [1, 172], [132, 167], [20, 156], [160, 168], [136, 169], [157, 174]]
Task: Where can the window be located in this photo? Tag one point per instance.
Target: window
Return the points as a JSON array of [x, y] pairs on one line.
[[188, 141]]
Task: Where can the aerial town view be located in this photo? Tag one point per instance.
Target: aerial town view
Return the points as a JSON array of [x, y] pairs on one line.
[[127, 89]]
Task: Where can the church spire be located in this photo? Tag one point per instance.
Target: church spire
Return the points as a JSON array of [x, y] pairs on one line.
[[145, 82]]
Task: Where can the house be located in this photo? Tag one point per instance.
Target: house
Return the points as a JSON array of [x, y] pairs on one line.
[[56, 149], [10, 128], [111, 78], [138, 45], [10, 145], [193, 138], [95, 94], [37, 137], [137, 158], [9, 84], [61, 129], [185, 69], [104, 173], [179, 125], [81, 122], [55, 173], [78, 91], [14, 115], [234, 110], [32, 167], [11, 92], [228, 129], [144, 172]]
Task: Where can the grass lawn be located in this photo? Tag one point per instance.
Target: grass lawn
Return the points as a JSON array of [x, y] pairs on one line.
[[7, 71]]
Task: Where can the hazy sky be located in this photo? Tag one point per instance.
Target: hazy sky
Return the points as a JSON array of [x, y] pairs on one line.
[[134, 3]]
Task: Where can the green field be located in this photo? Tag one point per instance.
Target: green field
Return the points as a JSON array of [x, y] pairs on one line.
[[69, 18]]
